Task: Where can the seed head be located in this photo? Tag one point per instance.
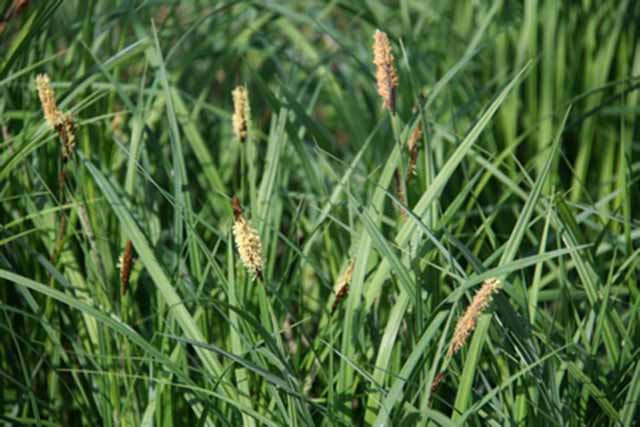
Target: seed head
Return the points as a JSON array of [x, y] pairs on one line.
[[241, 113], [52, 115], [125, 266], [247, 241], [436, 382], [67, 131], [386, 75], [343, 285], [467, 323]]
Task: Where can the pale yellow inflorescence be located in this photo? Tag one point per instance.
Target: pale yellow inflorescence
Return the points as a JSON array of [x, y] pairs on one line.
[[342, 285], [241, 112], [52, 114], [247, 241], [345, 277], [63, 124], [386, 76], [467, 323]]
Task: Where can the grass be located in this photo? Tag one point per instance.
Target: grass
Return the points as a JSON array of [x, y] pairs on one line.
[[527, 172]]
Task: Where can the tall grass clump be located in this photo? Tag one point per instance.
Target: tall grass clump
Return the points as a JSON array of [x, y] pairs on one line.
[[319, 213]]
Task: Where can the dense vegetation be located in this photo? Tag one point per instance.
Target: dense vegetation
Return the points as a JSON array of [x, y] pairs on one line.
[[525, 121]]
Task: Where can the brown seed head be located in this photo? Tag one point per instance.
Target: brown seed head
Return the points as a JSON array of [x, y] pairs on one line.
[[386, 75], [67, 131], [247, 241], [241, 113], [52, 115], [467, 323], [343, 285], [436, 382], [125, 266], [14, 10]]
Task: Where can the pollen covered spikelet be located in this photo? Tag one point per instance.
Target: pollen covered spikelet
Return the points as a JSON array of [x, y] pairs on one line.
[[52, 115], [241, 113], [125, 266], [386, 76], [247, 241], [412, 146], [467, 323], [63, 124], [343, 285]]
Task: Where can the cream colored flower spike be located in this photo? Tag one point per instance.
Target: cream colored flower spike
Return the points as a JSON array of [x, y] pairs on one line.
[[241, 112], [247, 241], [467, 323], [386, 75], [52, 115]]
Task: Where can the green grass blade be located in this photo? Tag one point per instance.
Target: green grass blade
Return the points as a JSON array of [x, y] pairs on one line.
[[161, 280]]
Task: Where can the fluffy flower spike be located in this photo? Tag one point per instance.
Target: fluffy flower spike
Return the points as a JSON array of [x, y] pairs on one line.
[[247, 241], [241, 113], [386, 75], [467, 323], [52, 114], [63, 124]]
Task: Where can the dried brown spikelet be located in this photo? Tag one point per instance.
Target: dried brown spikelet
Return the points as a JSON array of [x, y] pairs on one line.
[[247, 241], [467, 323], [241, 113], [412, 146], [436, 382], [14, 10], [126, 259], [343, 285], [52, 115], [67, 131], [386, 75]]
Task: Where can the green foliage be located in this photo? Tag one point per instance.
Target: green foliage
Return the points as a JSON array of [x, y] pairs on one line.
[[527, 171]]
